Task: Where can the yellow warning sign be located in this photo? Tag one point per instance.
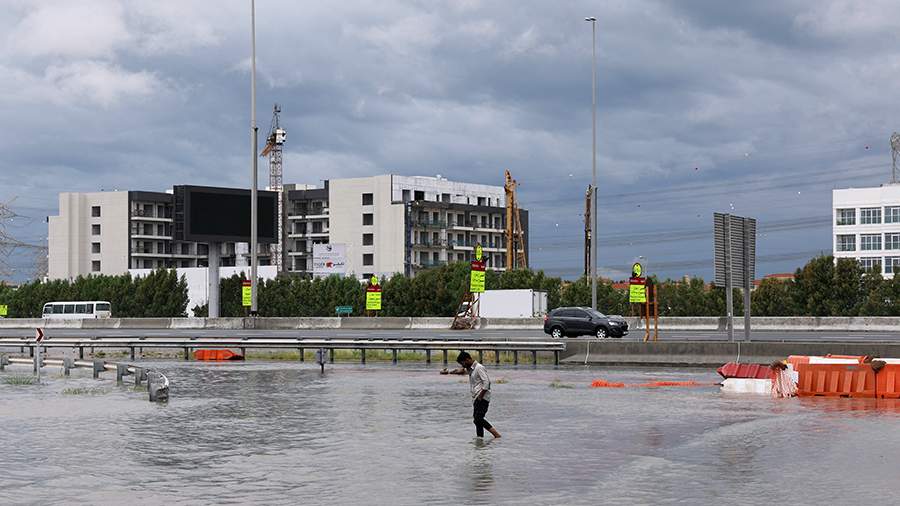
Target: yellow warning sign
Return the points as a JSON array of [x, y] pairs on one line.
[[4, 309], [246, 294], [373, 301], [637, 294]]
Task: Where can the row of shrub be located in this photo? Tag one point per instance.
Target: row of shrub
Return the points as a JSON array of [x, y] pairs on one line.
[[822, 287]]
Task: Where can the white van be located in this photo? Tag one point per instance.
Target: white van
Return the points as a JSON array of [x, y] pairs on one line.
[[79, 310]]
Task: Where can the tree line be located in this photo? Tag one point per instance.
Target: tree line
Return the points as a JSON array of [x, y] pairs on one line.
[[822, 287]]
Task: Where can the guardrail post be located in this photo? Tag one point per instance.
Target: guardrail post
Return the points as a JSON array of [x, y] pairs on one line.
[[98, 368], [394, 356], [187, 353], [496, 357], [243, 352], [480, 356], [139, 375], [362, 355], [4, 361], [31, 352], [331, 355], [81, 353], [68, 364], [515, 357], [132, 352], [555, 357], [121, 372], [427, 356], [302, 354], [533, 357]]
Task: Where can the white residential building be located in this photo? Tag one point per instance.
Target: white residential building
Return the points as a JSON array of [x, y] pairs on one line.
[[867, 226], [116, 231], [398, 224]]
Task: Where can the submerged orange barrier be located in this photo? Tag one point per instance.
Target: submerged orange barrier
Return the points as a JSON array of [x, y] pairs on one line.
[[216, 355]]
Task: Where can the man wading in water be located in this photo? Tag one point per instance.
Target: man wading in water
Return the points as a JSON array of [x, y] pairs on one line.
[[480, 384]]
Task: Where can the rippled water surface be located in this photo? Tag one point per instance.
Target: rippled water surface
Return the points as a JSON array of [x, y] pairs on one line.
[[279, 433]]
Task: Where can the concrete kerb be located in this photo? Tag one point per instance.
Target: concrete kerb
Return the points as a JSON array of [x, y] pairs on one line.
[[388, 322], [431, 323], [511, 323]]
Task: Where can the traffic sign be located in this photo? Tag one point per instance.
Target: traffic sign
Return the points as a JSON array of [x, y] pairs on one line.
[[637, 270], [246, 293], [373, 298], [38, 335], [637, 290], [4, 309], [476, 278], [479, 252]]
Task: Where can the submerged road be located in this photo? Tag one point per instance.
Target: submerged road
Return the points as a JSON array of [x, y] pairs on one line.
[[445, 334]]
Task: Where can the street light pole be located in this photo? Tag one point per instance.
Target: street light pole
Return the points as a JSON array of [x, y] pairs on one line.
[[253, 156], [594, 237]]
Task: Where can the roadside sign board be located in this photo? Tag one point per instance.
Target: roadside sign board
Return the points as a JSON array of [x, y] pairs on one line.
[[476, 279], [4, 309], [38, 335], [735, 245], [246, 294], [345, 310], [637, 290], [373, 298]]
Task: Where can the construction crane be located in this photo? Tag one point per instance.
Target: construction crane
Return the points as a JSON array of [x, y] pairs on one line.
[[515, 235], [273, 149]]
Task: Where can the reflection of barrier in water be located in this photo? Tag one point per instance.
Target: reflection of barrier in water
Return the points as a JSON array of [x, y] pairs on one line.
[[601, 383]]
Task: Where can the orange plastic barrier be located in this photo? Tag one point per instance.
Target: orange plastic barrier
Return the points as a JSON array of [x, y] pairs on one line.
[[216, 355], [599, 383], [796, 360], [835, 380], [887, 382]]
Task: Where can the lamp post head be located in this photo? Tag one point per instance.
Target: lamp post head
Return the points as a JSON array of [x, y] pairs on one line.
[[592, 19]]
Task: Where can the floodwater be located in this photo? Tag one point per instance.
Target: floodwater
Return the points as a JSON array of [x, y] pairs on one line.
[[281, 433]]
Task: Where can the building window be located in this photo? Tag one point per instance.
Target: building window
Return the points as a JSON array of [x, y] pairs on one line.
[[892, 214], [368, 199], [846, 216], [95, 211], [405, 195], [870, 216], [368, 239], [891, 265], [870, 264], [891, 241], [846, 243], [368, 218], [95, 266], [418, 195], [95, 247], [95, 229], [368, 259], [869, 242]]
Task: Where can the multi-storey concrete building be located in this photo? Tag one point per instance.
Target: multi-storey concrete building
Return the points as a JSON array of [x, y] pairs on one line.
[[392, 224], [867, 226], [389, 224], [112, 232]]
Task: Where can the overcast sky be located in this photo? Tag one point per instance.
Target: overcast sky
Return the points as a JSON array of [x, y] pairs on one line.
[[757, 108]]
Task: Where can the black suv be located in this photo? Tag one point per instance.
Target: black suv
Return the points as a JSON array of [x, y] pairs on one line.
[[577, 321]]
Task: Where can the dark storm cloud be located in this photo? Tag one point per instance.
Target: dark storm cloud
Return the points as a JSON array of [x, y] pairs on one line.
[[703, 106]]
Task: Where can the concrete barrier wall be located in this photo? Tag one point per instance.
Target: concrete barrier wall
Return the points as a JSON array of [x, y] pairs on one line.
[[672, 323]]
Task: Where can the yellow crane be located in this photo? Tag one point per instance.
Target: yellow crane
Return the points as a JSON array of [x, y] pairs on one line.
[[515, 235]]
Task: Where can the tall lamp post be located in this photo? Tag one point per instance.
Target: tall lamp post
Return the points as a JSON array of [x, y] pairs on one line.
[[594, 237], [253, 172]]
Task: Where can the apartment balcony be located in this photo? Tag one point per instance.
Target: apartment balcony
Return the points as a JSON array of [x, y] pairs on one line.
[[139, 215], [152, 237], [309, 234], [308, 214], [429, 223], [427, 264], [430, 244], [462, 225], [299, 253]]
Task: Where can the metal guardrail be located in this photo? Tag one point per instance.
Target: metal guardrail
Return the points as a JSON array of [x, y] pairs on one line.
[[157, 382], [188, 344]]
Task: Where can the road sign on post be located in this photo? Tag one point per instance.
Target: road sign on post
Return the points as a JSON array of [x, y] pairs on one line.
[[637, 290], [735, 262], [38, 339], [373, 295], [246, 293], [476, 278]]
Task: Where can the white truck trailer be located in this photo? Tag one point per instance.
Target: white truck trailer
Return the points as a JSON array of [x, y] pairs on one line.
[[512, 304]]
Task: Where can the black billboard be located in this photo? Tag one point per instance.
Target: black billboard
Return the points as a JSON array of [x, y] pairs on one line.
[[210, 214]]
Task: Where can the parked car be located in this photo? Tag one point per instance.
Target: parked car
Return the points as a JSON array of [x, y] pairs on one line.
[[577, 321]]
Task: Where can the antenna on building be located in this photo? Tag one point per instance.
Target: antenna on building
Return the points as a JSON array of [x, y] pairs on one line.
[[895, 153]]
